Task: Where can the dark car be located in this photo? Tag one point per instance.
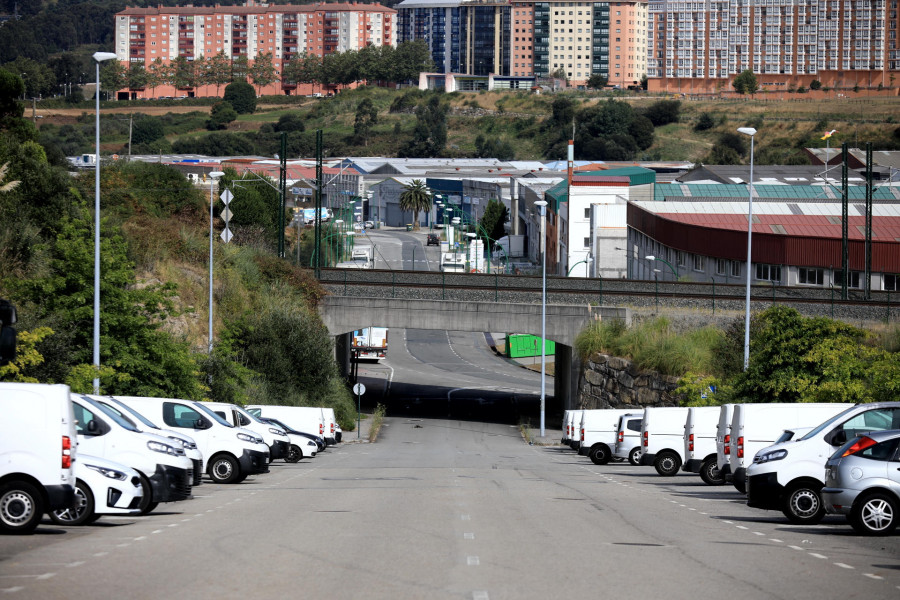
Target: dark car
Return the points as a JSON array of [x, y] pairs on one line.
[[433, 239]]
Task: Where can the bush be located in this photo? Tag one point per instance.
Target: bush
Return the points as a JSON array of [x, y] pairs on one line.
[[220, 116], [241, 96], [663, 112], [706, 121]]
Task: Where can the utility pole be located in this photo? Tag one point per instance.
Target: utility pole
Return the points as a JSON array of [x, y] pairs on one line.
[[318, 217], [845, 250], [282, 187], [868, 266]]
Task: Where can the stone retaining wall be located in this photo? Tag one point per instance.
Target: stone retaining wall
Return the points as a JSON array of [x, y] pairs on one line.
[[613, 382]]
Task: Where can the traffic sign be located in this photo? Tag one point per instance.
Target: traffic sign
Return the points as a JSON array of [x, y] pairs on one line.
[[226, 235], [226, 215], [226, 197], [359, 389]]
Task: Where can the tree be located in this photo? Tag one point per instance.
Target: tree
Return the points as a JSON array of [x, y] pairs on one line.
[[158, 74], [240, 67], [597, 81], [113, 76], [184, 73], [146, 130], [366, 118], [262, 71], [39, 79], [241, 96], [663, 112], [11, 87], [815, 84], [220, 115], [416, 198], [218, 71], [290, 122], [706, 121], [136, 78], [430, 132], [493, 222], [409, 59], [745, 83]]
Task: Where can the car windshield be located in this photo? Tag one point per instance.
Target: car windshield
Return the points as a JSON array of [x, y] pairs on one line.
[[212, 415], [126, 410], [827, 424], [253, 418], [119, 419], [282, 425]]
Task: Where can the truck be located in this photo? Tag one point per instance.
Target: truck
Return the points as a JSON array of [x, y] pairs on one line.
[[370, 343], [453, 262], [309, 215], [509, 246]]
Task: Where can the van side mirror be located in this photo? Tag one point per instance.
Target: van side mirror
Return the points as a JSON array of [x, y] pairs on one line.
[[201, 423], [93, 428]]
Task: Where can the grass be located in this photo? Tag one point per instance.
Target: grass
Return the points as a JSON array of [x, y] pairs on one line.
[[377, 422]]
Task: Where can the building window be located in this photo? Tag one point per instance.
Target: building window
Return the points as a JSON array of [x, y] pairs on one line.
[[890, 282], [854, 280], [587, 213], [699, 263], [721, 266], [682, 259], [768, 273], [735, 268], [809, 276], [587, 242]]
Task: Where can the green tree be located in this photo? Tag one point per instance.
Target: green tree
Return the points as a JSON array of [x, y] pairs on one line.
[[218, 71], [409, 59], [220, 115], [113, 76], [241, 96], [240, 68], [597, 81], [39, 79], [184, 73], [706, 121], [430, 132], [262, 72], [663, 112], [493, 222], [146, 130], [415, 198], [745, 83], [136, 79], [366, 118], [158, 74]]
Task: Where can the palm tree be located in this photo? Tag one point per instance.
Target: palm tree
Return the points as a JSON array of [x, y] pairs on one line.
[[415, 197]]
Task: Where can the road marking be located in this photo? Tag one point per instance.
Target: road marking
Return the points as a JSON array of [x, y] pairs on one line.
[[776, 540], [173, 525], [843, 566], [795, 547], [740, 527], [122, 545], [472, 561], [758, 533], [480, 596], [818, 555], [728, 522], [49, 575], [468, 536], [77, 563], [19, 588], [465, 517], [873, 576], [99, 554], [138, 539], [157, 531]]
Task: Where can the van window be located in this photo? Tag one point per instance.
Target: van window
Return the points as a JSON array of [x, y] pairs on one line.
[[879, 419], [243, 420], [179, 415], [634, 425], [83, 416]]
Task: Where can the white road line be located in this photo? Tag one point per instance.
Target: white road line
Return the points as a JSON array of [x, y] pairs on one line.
[[740, 527], [139, 538], [818, 555], [99, 554], [480, 595], [843, 566], [77, 563], [156, 531], [468, 536], [758, 533], [873, 576], [465, 517], [19, 588], [45, 576], [776, 540], [795, 548], [472, 561]]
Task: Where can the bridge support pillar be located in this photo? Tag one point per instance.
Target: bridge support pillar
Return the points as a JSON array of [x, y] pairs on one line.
[[342, 344], [565, 382]]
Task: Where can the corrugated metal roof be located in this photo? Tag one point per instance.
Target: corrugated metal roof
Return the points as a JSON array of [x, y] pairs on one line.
[[665, 191]]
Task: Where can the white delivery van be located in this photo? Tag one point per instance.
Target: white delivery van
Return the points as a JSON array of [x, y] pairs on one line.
[[307, 419], [565, 430], [230, 454], [757, 426], [37, 452], [790, 476], [723, 439], [166, 473], [331, 427], [662, 438], [574, 424], [700, 430], [102, 487], [144, 424], [597, 433], [628, 438], [274, 437]]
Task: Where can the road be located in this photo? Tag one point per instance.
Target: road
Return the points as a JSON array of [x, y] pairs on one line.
[[453, 509]]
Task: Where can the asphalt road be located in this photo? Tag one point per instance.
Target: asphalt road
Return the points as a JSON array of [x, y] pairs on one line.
[[453, 509]]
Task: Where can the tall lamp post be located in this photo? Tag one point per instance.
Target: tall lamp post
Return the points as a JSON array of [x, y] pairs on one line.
[[662, 260], [99, 57], [752, 133], [212, 182], [543, 206]]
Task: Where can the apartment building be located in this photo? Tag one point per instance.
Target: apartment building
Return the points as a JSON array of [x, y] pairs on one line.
[[701, 46], [143, 35]]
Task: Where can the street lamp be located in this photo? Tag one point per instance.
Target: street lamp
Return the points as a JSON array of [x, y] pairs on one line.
[[752, 133], [542, 204], [662, 260], [212, 181], [469, 238], [99, 57]]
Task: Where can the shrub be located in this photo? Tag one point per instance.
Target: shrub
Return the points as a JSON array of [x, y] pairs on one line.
[[706, 121], [241, 96]]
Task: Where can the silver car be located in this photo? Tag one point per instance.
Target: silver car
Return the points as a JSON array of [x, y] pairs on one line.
[[862, 481]]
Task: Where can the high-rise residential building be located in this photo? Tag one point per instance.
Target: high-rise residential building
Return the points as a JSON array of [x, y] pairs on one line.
[[143, 35], [702, 46]]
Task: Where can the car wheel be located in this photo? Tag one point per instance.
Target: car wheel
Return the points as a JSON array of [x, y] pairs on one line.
[[710, 474], [802, 503], [599, 454], [667, 463], [634, 457], [79, 514], [875, 514], [223, 469], [147, 504], [294, 454], [21, 507]]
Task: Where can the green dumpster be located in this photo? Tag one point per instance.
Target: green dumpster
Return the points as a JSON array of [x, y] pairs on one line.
[[409, 226]]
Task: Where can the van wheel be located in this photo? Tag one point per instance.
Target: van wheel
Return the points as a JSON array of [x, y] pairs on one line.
[[667, 463], [223, 469], [802, 503], [147, 504], [294, 454], [21, 507], [634, 457], [710, 474], [599, 454], [79, 514], [875, 514]]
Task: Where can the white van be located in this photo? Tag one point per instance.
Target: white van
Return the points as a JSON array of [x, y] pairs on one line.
[[102, 487], [565, 429], [757, 426], [597, 433], [274, 437], [308, 419], [145, 425], [723, 439], [628, 438], [700, 431], [230, 454], [572, 428], [37, 452], [330, 425], [166, 473], [662, 438], [790, 476]]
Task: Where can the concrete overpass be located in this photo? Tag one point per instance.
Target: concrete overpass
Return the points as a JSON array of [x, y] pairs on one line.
[[343, 314]]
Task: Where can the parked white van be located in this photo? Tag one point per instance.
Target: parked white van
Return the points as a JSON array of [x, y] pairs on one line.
[[597, 432], [565, 428], [274, 437], [573, 425], [757, 426], [102, 487], [723, 439], [308, 419], [700, 431], [790, 476], [230, 454], [166, 473], [662, 438], [628, 438], [37, 452], [331, 427]]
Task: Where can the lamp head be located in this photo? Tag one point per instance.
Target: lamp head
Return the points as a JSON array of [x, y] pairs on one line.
[[216, 174], [747, 131], [101, 56], [650, 257]]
